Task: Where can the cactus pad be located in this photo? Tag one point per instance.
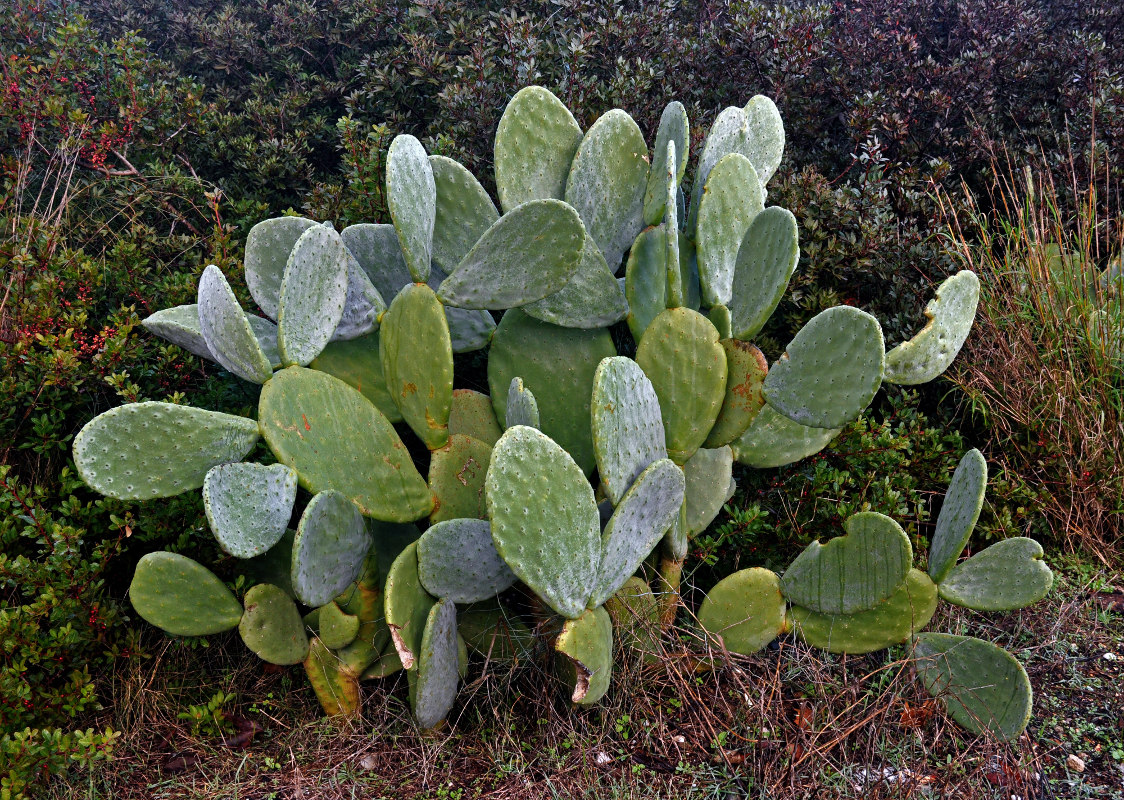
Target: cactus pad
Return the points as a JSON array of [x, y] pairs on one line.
[[376, 249], [929, 353], [226, 329], [336, 687], [773, 440], [831, 371], [362, 304], [983, 687], [728, 134], [248, 506], [957, 519], [1008, 575], [645, 280], [313, 293], [709, 475], [766, 259], [328, 553], [182, 597], [356, 362], [472, 415], [337, 629], [457, 559], [592, 298], [147, 450], [746, 369], [336, 439], [744, 610], [731, 199], [535, 145], [766, 136], [675, 129], [180, 326], [587, 644], [411, 197], [407, 605], [522, 409], [464, 212], [272, 626], [267, 251], [544, 518], [438, 673], [456, 477], [852, 572]]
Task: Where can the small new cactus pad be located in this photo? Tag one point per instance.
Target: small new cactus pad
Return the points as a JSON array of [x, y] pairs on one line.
[[457, 559], [227, 331], [645, 279], [647, 509], [766, 136], [411, 197], [472, 415], [681, 355], [328, 553], [531, 252], [182, 597], [272, 626], [773, 440], [746, 369], [676, 130], [592, 298], [728, 134], [544, 518], [522, 409], [607, 181], [852, 572], [336, 687], [730, 200], [586, 643], [744, 610], [891, 622], [766, 259], [957, 519], [831, 371], [248, 506], [335, 438], [983, 687], [557, 365], [407, 605], [635, 612], [313, 293], [438, 673], [376, 249], [627, 428], [464, 212], [337, 629], [362, 304], [709, 476], [535, 145], [494, 632], [422, 387], [950, 313], [357, 363], [456, 476], [267, 251], [147, 450], [1008, 575]]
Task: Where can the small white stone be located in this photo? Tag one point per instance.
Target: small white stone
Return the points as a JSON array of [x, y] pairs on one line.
[[1109, 656], [1075, 763], [601, 759]]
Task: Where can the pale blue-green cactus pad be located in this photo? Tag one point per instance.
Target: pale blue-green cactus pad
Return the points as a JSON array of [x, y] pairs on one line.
[[766, 259], [522, 408], [411, 197], [248, 506], [675, 129], [950, 315], [267, 251], [313, 293], [709, 474], [592, 298], [963, 502], [773, 440], [730, 200], [766, 136], [457, 559], [329, 549], [464, 212], [438, 673], [226, 329], [628, 430], [535, 145]]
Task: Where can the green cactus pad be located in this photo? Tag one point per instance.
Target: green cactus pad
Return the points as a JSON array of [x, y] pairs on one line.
[[226, 329], [709, 474], [417, 361], [337, 629], [627, 429], [719, 317], [336, 687], [642, 516], [464, 212], [745, 610], [142, 451], [335, 438], [607, 181], [728, 134], [491, 630], [407, 605], [891, 622], [356, 362], [411, 197], [458, 560], [438, 670], [950, 314], [456, 477], [468, 330], [522, 408], [557, 365], [645, 280], [773, 440], [472, 415], [766, 259], [675, 539], [635, 612], [681, 355], [674, 129], [746, 369], [362, 304], [831, 371], [248, 506], [587, 645], [766, 136], [957, 519], [535, 145], [1008, 575], [730, 200], [313, 293], [272, 626], [376, 249], [983, 687], [592, 298], [531, 252], [268, 246], [853, 572], [544, 518], [182, 597], [328, 553]]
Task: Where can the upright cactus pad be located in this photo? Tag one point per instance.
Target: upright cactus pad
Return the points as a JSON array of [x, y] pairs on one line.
[[464, 212], [438, 673], [1008, 575], [950, 313], [226, 329], [766, 136], [746, 369], [957, 519], [674, 129], [773, 440], [376, 249], [472, 415], [456, 477], [411, 197], [744, 610], [248, 506], [730, 200], [328, 553], [645, 281], [766, 258], [362, 304], [522, 408], [267, 251], [586, 644], [628, 430], [182, 597], [728, 134], [271, 626], [457, 559], [535, 145], [313, 293], [336, 687], [407, 605]]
